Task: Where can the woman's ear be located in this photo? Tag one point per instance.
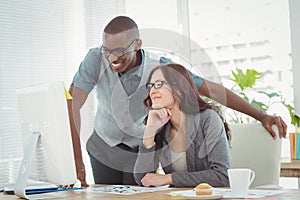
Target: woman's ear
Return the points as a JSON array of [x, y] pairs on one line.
[[177, 96]]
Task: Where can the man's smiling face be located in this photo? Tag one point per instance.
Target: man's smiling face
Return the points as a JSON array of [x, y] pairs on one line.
[[120, 50]]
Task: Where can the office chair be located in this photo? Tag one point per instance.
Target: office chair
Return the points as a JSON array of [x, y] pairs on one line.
[[253, 147]]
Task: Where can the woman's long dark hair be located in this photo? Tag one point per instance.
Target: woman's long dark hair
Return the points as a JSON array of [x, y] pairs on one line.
[[185, 91]]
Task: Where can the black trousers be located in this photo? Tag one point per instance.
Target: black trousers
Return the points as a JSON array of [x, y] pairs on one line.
[[111, 165]]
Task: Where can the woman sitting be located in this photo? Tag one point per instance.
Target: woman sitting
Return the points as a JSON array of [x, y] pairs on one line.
[[183, 133]]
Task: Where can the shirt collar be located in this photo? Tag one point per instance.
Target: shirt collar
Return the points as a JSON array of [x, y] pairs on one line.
[[137, 71], [140, 68]]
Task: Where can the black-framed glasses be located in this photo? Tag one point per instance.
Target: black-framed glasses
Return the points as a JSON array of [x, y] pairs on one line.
[[117, 52], [156, 85]]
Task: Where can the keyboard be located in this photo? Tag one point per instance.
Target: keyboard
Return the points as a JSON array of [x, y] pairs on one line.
[[33, 187]]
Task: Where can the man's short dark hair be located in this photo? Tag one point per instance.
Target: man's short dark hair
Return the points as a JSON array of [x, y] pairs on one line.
[[120, 24]]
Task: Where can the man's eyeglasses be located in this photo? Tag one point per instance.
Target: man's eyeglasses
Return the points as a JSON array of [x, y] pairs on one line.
[[156, 85], [117, 52]]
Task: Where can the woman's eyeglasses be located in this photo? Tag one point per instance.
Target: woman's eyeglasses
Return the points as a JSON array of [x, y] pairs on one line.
[[117, 52], [156, 85]]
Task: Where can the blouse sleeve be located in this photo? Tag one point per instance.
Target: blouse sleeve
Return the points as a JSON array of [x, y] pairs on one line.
[[146, 162]]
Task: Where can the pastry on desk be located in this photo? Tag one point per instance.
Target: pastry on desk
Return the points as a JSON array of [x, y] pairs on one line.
[[203, 189]]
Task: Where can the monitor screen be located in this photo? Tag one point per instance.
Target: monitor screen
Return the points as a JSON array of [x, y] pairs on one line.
[[46, 135]]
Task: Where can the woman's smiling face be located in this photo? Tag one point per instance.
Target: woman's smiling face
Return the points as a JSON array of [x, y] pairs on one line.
[[161, 97]]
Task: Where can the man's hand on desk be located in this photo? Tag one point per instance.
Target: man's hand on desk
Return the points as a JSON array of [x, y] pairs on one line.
[[81, 177]]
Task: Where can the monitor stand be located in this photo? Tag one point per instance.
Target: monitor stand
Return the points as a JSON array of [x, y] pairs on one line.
[[21, 183]]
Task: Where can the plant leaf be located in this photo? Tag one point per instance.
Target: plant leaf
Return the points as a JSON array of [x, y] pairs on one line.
[[270, 95], [247, 79], [259, 105]]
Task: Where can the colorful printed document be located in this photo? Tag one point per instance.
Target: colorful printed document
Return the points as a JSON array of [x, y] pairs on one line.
[[126, 189]]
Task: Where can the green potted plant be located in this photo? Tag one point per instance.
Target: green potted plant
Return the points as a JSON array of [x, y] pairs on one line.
[[245, 87]]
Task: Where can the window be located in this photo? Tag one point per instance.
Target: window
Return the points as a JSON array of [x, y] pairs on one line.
[[222, 48], [261, 58], [262, 41], [239, 60], [239, 46], [43, 41], [223, 63], [259, 43]]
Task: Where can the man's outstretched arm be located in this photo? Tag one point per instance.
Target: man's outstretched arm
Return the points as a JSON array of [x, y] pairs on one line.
[[78, 98], [231, 100]]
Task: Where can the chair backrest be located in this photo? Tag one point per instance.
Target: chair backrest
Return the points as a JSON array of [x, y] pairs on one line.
[[253, 147]]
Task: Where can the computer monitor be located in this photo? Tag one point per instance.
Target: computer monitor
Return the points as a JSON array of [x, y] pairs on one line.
[[46, 136]]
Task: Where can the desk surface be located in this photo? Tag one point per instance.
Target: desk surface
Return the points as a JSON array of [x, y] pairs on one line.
[[82, 195]]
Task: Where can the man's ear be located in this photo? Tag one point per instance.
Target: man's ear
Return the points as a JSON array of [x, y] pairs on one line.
[[138, 44]]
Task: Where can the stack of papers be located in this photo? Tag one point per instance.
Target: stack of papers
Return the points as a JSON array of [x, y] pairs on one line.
[[226, 193], [252, 193], [126, 189]]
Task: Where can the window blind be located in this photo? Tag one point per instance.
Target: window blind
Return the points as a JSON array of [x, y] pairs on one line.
[[43, 41]]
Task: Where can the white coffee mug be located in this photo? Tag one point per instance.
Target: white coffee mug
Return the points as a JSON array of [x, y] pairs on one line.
[[240, 180]]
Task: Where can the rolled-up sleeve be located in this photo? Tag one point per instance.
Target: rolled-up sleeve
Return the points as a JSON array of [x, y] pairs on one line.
[[87, 75]]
